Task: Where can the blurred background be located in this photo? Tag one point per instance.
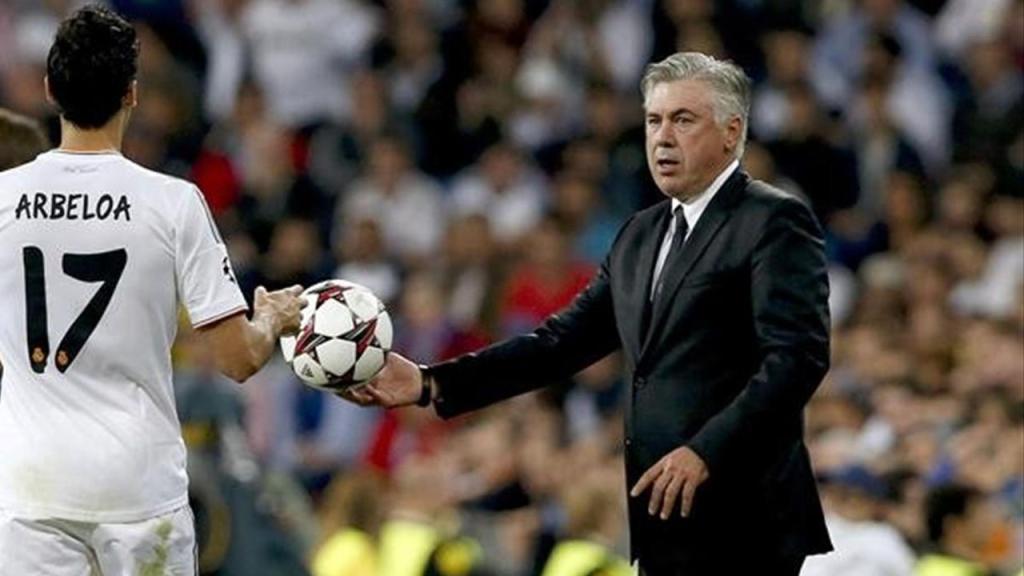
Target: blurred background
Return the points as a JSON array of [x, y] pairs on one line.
[[471, 161]]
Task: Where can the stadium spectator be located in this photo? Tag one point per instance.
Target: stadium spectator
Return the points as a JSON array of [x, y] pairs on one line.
[[406, 203], [21, 139], [359, 251], [506, 189], [957, 525], [865, 544], [824, 170], [353, 509], [786, 48], [581, 211], [841, 49], [302, 54], [989, 115], [472, 274], [545, 282]]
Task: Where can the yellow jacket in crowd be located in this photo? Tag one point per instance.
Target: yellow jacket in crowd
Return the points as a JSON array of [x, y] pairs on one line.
[[584, 558]]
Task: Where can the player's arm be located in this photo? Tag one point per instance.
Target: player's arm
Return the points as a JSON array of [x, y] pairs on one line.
[[209, 291], [241, 346]]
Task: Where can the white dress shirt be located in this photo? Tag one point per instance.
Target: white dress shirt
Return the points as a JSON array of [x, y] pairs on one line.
[[692, 210]]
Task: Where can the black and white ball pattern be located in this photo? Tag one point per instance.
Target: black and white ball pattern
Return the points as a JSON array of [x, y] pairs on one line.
[[344, 337]]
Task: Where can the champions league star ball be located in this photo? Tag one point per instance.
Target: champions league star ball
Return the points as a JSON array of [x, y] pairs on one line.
[[343, 339]]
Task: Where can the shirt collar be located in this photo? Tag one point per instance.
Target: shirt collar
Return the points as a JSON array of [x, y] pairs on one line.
[[694, 207]]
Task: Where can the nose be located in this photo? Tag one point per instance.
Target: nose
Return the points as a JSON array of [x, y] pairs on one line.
[[663, 135]]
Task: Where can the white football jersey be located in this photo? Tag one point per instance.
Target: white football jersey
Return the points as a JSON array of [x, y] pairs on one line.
[[96, 253]]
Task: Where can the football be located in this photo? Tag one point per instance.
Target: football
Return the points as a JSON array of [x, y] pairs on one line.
[[344, 336]]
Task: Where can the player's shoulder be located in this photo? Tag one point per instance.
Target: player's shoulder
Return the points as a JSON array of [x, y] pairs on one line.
[[174, 187], [175, 196]]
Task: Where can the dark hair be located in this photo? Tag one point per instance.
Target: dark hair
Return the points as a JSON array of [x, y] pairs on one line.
[[943, 503], [91, 66], [888, 43], [21, 139]]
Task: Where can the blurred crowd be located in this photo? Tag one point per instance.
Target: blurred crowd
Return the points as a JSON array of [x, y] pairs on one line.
[[471, 161]]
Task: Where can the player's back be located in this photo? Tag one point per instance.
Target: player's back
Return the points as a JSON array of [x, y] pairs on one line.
[[94, 253]]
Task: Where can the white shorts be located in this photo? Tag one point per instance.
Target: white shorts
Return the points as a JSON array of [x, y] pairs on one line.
[[163, 546]]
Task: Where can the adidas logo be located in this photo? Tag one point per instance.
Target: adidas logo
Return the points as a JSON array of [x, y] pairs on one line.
[[307, 372]]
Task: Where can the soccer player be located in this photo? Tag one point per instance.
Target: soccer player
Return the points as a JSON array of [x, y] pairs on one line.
[[96, 253]]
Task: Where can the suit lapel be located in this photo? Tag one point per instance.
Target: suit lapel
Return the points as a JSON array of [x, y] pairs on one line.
[[647, 254], [678, 265]]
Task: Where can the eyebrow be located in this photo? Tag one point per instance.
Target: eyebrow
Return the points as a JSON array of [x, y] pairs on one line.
[[672, 113]]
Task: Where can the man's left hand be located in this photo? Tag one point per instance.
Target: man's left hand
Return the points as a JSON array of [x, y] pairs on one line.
[[674, 477]]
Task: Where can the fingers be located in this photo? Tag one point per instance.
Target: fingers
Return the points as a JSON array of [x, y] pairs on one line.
[[649, 477], [689, 489], [379, 396], [670, 483], [364, 395], [357, 395], [672, 495], [291, 318], [347, 396], [284, 307], [290, 293], [290, 327], [658, 491], [384, 397]]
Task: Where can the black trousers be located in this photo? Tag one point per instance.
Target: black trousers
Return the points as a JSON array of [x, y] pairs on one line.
[[765, 567]]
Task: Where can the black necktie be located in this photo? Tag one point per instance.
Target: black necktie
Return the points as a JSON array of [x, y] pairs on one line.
[[678, 237]]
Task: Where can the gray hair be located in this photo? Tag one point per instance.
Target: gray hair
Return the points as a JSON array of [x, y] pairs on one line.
[[729, 84]]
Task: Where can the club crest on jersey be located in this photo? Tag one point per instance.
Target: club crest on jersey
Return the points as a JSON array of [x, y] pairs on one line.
[[226, 269], [58, 206]]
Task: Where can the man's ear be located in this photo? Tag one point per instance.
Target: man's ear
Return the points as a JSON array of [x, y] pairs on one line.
[[733, 132], [46, 88], [131, 98]]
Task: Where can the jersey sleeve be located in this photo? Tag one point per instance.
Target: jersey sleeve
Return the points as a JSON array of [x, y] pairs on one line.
[[206, 281]]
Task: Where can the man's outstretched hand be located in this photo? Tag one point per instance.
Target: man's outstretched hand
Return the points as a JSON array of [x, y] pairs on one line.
[[398, 384]]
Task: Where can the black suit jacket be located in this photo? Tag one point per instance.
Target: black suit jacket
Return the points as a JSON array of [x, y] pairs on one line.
[[732, 351]]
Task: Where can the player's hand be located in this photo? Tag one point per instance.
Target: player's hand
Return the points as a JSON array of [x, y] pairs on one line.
[[398, 384], [675, 477], [282, 307]]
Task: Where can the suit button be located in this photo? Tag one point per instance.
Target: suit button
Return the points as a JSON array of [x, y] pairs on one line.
[[629, 441], [640, 382]]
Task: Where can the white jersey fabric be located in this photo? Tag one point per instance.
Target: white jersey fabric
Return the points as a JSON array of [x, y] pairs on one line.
[[88, 426]]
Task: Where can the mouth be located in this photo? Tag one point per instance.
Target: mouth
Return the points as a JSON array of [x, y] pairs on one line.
[[665, 165]]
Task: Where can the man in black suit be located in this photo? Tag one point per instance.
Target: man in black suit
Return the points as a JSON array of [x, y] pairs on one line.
[[718, 299]]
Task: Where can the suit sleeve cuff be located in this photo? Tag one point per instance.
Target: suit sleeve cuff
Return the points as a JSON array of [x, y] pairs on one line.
[[702, 447]]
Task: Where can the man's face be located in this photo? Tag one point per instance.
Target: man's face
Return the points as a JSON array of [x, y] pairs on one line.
[[686, 148]]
